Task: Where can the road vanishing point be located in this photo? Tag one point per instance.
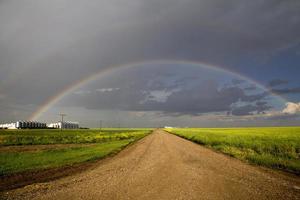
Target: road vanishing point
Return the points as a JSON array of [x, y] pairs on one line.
[[165, 166]]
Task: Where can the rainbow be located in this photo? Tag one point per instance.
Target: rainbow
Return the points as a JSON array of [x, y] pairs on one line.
[[70, 88]]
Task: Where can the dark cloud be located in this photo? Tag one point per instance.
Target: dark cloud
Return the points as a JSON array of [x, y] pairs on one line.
[[261, 103], [258, 108], [171, 95], [254, 97], [277, 82], [47, 46], [281, 117], [287, 91], [193, 102], [250, 87], [243, 110], [237, 81]]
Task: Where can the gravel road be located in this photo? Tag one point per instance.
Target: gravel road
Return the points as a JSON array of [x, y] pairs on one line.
[[164, 166]]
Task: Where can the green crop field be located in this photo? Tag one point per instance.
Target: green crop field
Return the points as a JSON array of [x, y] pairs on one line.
[[23, 150], [272, 147], [55, 136]]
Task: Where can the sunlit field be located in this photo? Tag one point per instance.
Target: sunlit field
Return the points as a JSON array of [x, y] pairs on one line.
[[272, 147], [23, 150]]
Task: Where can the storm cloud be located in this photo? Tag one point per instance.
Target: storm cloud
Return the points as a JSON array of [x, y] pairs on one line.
[[155, 91], [259, 107], [46, 46], [277, 82], [287, 90]]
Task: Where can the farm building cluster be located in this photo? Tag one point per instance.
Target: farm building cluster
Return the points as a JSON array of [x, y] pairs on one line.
[[65, 125], [39, 125]]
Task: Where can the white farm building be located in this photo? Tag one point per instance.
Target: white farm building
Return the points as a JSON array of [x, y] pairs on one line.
[[64, 125], [23, 125]]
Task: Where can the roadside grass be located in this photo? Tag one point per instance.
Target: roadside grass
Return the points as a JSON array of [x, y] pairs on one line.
[[13, 162], [105, 143], [274, 147], [54, 136]]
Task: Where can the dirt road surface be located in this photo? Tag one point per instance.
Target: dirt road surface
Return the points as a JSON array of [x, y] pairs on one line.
[[164, 166]]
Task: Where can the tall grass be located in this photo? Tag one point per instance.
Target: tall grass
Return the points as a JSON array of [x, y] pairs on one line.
[[11, 162], [54, 136], [106, 142], [272, 147]]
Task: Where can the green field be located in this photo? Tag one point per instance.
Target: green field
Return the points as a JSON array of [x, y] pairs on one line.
[[55, 136], [23, 150], [272, 147]]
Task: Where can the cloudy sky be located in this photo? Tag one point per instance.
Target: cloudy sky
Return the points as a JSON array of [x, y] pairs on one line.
[[254, 46]]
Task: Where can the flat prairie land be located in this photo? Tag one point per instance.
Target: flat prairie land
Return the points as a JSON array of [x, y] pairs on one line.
[[164, 166], [26, 150], [274, 147]]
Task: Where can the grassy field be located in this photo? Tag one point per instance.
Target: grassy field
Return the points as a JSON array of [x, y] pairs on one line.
[[55, 136], [272, 147], [22, 150]]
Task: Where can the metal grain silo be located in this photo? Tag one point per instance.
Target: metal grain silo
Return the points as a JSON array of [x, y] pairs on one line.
[[18, 124]]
